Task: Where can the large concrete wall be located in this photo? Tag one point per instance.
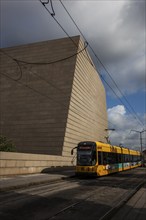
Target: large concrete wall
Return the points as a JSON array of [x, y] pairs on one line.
[[48, 109], [35, 100]]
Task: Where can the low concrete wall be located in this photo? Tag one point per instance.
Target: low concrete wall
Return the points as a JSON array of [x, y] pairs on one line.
[[20, 163]]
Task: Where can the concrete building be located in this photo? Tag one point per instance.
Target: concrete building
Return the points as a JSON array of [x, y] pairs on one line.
[[51, 98]]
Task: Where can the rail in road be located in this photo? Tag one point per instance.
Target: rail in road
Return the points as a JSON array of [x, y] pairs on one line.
[[73, 198]]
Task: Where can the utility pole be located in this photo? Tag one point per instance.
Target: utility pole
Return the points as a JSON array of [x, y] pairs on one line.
[[140, 132]]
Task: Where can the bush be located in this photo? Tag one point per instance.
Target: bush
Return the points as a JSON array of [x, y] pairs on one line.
[[6, 145]]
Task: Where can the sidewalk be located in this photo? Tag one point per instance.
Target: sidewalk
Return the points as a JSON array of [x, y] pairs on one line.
[[21, 181], [134, 208]]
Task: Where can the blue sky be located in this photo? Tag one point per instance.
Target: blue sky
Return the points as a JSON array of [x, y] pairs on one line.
[[116, 31], [136, 100]]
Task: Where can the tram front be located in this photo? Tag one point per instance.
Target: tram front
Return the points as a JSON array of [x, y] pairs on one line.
[[86, 158]]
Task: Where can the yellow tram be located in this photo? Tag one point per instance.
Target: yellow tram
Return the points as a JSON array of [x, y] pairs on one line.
[[97, 158]]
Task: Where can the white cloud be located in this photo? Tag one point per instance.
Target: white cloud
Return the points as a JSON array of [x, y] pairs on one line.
[[119, 109], [123, 124]]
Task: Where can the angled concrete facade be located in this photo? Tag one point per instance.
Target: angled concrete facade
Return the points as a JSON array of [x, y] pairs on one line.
[[52, 98]]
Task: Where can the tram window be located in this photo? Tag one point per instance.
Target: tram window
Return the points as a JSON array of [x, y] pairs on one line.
[[109, 158], [113, 158], [119, 158], [123, 158], [99, 158], [126, 157], [105, 158], [94, 157], [135, 158]]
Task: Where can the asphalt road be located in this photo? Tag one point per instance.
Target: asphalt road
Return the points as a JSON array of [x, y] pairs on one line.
[[70, 199]]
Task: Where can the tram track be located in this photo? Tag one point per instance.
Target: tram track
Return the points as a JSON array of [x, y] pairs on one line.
[[108, 215], [118, 204], [74, 194], [53, 187]]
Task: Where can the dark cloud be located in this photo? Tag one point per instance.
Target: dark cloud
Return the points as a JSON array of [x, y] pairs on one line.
[[26, 22], [115, 29]]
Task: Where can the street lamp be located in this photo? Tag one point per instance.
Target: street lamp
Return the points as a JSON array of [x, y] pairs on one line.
[[140, 132]]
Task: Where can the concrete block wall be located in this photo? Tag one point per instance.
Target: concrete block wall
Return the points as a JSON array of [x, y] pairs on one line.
[[23, 163]]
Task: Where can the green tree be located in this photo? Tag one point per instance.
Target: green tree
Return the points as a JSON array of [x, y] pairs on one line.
[[6, 145]]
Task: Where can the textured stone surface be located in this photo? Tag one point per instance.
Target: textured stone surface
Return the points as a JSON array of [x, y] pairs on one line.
[[47, 109]]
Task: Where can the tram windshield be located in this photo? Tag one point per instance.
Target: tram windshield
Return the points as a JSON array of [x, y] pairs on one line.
[[86, 156]]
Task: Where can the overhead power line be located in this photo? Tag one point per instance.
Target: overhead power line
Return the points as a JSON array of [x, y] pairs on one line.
[[104, 69], [47, 2], [45, 63], [89, 60], [53, 16], [136, 117], [76, 45]]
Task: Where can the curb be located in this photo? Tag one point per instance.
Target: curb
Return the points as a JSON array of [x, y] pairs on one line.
[[35, 183]]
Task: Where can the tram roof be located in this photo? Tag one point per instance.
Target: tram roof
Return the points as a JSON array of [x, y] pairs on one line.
[[115, 149]]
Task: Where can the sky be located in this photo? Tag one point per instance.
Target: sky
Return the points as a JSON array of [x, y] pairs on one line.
[[116, 30]]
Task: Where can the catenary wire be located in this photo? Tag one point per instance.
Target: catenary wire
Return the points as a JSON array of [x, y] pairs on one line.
[[53, 16], [104, 69], [45, 63], [88, 59]]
